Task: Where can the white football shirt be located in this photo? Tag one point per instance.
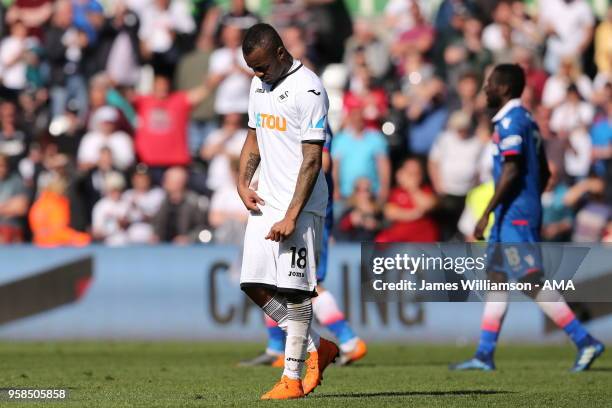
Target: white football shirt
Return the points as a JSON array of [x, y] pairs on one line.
[[284, 116]]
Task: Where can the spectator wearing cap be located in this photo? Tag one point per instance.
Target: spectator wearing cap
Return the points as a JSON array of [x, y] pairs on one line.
[[180, 218], [105, 135], [163, 120], [143, 202], [453, 168], [13, 204], [109, 223], [360, 152]]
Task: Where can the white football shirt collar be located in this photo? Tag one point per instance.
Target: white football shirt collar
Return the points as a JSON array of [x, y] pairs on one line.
[[511, 104]]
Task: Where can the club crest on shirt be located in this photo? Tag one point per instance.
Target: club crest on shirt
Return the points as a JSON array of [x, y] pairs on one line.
[[283, 97]]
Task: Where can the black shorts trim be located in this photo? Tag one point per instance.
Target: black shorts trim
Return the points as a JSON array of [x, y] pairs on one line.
[[314, 141], [289, 291]]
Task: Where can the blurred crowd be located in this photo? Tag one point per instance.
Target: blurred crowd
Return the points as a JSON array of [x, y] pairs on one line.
[[121, 121]]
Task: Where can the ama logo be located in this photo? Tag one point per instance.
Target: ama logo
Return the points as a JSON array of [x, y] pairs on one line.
[[272, 122]]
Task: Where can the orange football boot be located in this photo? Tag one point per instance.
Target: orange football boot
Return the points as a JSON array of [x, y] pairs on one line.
[[357, 353], [317, 363], [286, 388], [279, 362]]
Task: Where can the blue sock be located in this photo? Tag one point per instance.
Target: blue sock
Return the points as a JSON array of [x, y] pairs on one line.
[[486, 345], [276, 340], [341, 330], [576, 331]]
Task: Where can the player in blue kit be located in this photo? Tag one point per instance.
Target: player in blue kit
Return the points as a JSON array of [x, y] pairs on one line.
[[520, 172], [325, 307]]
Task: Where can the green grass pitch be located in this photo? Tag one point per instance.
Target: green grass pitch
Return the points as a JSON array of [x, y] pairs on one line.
[[127, 374]]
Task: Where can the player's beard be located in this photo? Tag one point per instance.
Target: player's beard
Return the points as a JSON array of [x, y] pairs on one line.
[[493, 102]]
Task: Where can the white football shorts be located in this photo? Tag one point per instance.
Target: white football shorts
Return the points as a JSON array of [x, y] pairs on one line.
[[289, 266]]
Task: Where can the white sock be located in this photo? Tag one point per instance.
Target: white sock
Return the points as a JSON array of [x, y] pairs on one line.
[[299, 318], [276, 309]]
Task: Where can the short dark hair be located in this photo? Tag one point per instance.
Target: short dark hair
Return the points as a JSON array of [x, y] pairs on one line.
[[261, 35], [513, 76]]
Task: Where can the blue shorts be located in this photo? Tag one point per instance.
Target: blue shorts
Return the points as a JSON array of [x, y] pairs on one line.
[[513, 249]]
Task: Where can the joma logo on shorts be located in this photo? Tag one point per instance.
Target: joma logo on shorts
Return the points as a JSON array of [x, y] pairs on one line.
[[273, 122], [296, 274]]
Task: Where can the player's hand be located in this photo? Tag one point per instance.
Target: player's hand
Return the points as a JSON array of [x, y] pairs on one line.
[[250, 199], [481, 226], [281, 230]]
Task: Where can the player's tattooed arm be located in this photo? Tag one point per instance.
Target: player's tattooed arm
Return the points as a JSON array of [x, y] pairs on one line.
[[307, 177], [251, 167], [249, 161]]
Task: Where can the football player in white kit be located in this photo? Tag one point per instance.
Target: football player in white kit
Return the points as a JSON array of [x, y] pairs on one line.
[[287, 123]]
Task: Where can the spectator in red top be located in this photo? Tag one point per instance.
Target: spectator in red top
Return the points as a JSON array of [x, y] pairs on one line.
[[409, 206], [163, 118], [364, 95]]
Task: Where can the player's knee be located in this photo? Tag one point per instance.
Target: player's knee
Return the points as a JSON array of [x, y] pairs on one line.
[[258, 294]]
